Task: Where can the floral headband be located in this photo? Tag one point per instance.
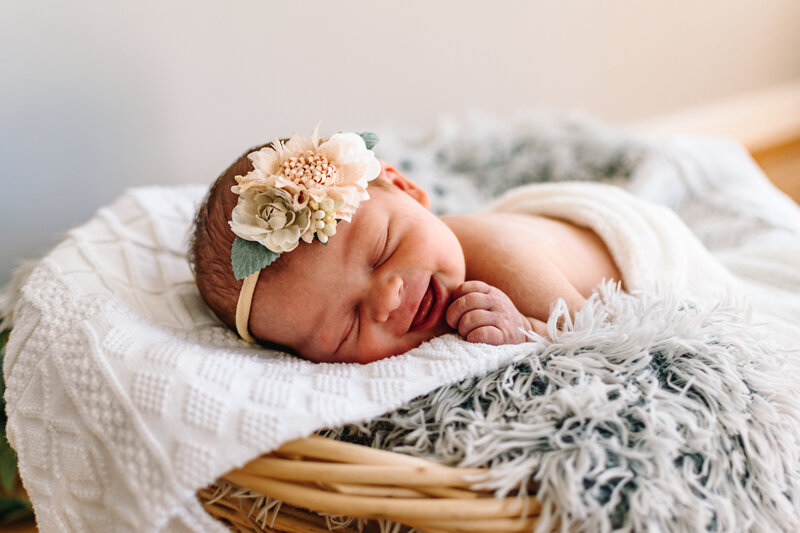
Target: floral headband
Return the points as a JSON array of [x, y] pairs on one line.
[[296, 191]]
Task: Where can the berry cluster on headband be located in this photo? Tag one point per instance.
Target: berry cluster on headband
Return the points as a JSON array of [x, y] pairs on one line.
[[298, 190]]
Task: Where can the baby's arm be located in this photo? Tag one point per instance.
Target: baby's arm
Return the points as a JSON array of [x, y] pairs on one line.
[[482, 313], [525, 265], [520, 298]]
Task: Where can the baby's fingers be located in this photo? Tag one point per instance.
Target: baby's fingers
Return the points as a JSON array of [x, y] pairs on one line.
[[475, 319], [465, 304], [487, 335], [471, 286]]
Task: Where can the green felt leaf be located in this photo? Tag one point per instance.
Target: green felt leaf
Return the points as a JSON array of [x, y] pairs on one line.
[[249, 256], [370, 139]]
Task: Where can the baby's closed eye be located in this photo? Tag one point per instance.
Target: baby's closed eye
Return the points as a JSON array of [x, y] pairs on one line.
[[381, 246], [351, 329]]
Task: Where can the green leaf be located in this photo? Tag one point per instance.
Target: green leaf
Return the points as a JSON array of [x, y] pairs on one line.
[[370, 139], [8, 466], [3, 341], [249, 256], [11, 507], [4, 333]]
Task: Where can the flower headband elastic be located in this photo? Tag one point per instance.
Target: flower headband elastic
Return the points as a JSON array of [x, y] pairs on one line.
[[296, 191]]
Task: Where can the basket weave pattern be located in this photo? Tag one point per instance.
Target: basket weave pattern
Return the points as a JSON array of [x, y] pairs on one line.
[[328, 476]]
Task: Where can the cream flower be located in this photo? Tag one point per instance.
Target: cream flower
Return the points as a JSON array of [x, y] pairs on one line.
[[270, 218], [357, 165], [306, 168], [301, 189]]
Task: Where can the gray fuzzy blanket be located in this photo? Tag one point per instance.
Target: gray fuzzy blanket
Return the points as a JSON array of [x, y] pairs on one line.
[[646, 413]]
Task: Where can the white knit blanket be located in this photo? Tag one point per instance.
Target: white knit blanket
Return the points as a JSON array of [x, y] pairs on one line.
[[125, 395]]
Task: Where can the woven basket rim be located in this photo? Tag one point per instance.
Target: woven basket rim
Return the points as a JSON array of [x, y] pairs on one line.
[[324, 475]]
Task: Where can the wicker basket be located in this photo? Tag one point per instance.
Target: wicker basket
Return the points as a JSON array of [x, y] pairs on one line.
[[331, 477]]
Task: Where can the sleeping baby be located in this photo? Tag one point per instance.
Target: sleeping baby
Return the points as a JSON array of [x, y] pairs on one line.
[[314, 246]]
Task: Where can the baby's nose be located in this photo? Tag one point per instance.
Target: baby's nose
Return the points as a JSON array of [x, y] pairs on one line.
[[386, 297]]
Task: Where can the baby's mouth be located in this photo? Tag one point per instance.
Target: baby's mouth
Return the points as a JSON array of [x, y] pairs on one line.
[[426, 305]]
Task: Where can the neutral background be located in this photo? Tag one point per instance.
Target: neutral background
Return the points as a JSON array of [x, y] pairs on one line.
[[98, 96]]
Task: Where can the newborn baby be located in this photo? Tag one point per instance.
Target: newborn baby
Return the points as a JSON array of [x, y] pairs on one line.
[[343, 262]]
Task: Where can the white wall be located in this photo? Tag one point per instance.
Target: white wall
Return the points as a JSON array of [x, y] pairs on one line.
[[100, 95]]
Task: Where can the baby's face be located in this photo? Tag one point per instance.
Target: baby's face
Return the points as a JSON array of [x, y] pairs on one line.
[[380, 287]]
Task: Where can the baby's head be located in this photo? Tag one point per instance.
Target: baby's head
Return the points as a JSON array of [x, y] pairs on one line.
[[347, 291]]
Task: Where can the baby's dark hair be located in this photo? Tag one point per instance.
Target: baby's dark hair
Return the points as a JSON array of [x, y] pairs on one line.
[[212, 238], [211, 241]]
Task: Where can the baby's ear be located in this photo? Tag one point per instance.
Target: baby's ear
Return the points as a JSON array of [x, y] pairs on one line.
[[397, 179]]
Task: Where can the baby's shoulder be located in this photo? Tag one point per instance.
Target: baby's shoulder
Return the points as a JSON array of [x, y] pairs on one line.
[[533, 249], [507, 232], [523, 243]]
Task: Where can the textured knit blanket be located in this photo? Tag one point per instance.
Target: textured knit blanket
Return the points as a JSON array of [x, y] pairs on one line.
[[125, 395]]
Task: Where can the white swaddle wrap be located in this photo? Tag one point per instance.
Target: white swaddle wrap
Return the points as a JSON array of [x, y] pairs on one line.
[[653, 248], [649, 243], [125, 395]]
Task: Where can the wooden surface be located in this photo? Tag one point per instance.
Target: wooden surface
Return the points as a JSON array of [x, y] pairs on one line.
[[782, 164], [760, 119]]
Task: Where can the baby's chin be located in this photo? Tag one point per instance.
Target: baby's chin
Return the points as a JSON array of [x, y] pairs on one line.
[[407, 342], [412, 341]]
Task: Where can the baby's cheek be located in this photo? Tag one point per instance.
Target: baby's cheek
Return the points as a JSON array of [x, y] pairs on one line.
[[372, 347]]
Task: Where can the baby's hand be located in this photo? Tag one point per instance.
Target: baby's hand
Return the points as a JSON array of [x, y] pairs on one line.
[[482, 313]]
